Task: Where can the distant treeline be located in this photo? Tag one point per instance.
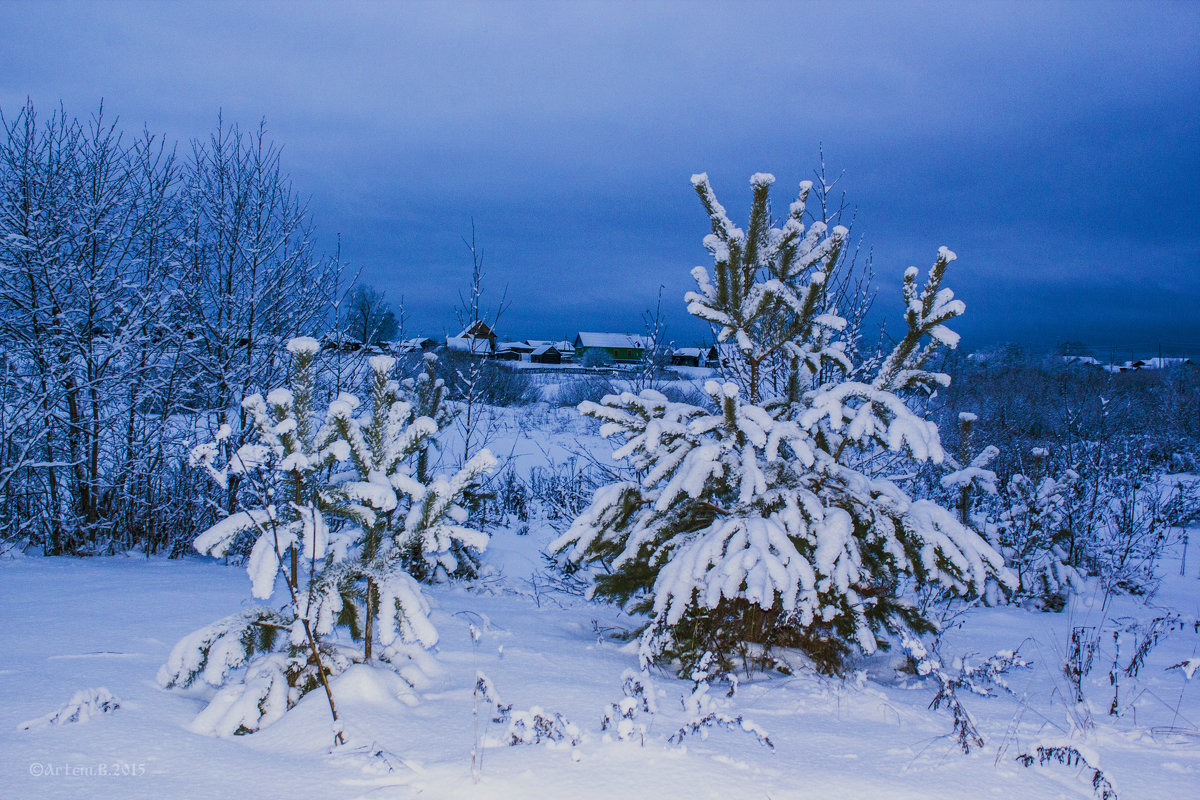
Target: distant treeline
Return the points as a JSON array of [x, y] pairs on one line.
[[1026, 400]]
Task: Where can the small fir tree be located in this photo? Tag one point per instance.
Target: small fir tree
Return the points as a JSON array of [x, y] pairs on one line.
[[761, 521], [344, 508], [969, 478]]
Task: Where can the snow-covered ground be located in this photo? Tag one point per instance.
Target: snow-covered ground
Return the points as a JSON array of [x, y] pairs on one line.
[[72, 624]]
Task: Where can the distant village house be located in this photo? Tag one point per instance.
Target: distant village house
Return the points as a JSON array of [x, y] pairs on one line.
[[478, 338], [619, 347]]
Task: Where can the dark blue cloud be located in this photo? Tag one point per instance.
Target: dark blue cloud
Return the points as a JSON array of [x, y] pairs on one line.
[[1053, 146]]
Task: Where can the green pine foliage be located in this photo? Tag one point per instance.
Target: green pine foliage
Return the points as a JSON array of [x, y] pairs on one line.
[[766, 523]]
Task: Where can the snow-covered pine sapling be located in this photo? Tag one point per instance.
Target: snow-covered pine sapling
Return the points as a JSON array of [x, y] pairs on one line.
[[426, 396], [281, 465], [974, 479], [761, 522], [409, 528], [352, 470]]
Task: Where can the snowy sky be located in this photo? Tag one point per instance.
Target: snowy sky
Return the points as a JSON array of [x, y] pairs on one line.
[[1055, 148]]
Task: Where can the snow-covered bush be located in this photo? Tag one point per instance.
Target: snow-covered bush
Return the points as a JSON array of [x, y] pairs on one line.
[[563, 490], [512, 496], [622, 717], [980, 679], [491, 383], [537, 726], [1117, 431], [575, 390], [703, 714], [1109, 514], [767, 522], [1134, 509], [1034, 534], [341, 507]]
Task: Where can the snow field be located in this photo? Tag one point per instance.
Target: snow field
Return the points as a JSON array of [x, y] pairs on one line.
[[110, 623]]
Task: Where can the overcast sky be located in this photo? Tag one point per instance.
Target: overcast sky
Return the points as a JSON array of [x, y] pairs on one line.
[[1055, 148]]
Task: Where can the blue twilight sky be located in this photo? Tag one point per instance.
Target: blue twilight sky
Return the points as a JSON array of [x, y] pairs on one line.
[[1054, 146]]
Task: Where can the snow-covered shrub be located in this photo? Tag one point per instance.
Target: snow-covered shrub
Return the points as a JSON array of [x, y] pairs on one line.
[[340, 506], [492, 383], [562, 490], [512, 496], [1116, 431], [973, 479], [1107, 513], [980, 679], [703, 715], [1181, 508], [1133, 529], [537, 725], [1034, 534], [764, 519], [534, 726], [485, 690], [83, 705], [622, 717], [1025, 400]]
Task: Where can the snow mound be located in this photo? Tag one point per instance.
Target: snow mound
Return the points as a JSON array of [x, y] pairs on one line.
[[372, 686]]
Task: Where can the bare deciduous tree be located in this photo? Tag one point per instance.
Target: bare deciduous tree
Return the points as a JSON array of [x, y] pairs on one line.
[[140, 295]]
